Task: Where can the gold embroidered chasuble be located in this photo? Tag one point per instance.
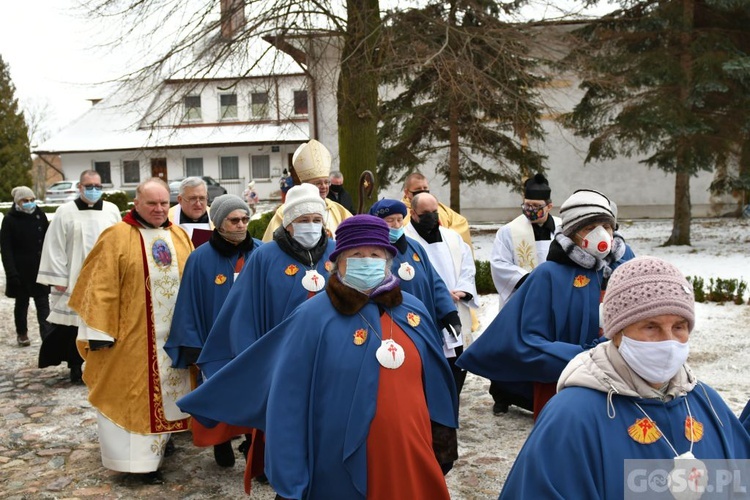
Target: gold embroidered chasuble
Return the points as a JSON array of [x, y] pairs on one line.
[[127, 290]]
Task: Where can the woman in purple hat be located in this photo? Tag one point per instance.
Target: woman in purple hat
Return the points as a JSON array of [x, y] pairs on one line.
[[348, 388]]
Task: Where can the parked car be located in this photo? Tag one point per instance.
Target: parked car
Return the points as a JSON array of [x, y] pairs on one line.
[[61, 192], [214, 189]]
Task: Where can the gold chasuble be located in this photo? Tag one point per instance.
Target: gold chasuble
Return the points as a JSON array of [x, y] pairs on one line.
[[126, 294]]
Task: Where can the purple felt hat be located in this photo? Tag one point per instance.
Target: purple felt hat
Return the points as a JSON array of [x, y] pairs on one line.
[[360, 231]]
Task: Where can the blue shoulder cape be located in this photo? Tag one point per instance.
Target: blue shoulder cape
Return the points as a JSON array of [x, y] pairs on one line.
[[551, 318], [267, 291], [427, 285], [575, 450], [313, 391], [206, 281]]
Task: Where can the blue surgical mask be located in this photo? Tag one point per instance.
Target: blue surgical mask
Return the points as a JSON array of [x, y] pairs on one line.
[[395, 234], [28, 206], [307, 234], [364, 274], [92, 194]]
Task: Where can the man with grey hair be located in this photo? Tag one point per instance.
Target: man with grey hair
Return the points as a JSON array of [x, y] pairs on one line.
[[337, 193], [191, 211]]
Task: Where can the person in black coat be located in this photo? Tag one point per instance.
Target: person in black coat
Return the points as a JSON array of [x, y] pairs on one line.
[[337, 192], [21, 239]]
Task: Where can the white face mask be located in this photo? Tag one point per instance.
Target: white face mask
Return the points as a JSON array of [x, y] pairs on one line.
[[597, 243], [655, 362], [307, 234]]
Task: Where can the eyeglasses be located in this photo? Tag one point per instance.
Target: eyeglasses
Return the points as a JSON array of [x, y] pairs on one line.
[[196, 199], [526, 206], [237, 220], [92, 186], [321, 183]]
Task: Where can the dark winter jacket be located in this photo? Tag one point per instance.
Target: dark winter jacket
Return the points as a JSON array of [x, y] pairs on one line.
[[21, 239]]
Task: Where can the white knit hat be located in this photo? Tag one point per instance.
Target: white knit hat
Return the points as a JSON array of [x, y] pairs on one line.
[[585, 207], [311, 161], [21, 192], [301, 200]]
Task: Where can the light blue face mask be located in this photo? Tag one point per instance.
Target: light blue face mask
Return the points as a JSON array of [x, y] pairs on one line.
[[92, 194], [364, 274], [395, 234], [28, 206], [307, 234]]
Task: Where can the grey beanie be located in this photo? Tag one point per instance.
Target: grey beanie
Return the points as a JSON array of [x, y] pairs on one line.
[[21, 192], [585, 207], [642, 288], [224, 205]]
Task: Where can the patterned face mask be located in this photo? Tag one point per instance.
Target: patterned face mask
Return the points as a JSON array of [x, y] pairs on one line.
[[534, 212]]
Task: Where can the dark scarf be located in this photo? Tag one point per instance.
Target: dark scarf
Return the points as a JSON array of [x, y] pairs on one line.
[[291, 247], [401, 244], [563, 250], [348, 301], [223, 247], [82, 205]]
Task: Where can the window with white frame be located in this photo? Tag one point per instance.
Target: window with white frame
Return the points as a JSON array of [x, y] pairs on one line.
[[228, 106], [260, 167], [131, 171], [259, 104], [104, 169], [230, 167], [300, 102], [192, 105], [193, 167]]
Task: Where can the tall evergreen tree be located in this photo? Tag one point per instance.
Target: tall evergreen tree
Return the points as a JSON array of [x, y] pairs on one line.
[[669, 80], [468, 98], [15, 156]]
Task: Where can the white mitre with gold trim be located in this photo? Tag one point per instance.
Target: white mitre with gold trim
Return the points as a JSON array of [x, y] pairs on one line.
[[311, 161]]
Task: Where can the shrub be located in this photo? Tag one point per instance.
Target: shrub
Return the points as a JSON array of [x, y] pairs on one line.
[[697, 282], [257, 227], [718, 290], [483, 278], [119, 198]]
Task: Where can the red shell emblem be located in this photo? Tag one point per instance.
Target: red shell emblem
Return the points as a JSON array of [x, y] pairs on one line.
[[291, 270], [220, 279]]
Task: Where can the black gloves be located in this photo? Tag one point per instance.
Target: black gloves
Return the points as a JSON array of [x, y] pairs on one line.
[[452, 323], [98, 345]]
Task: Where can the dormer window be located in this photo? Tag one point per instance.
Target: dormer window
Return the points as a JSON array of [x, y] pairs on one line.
[[192, 105], [228, 106]]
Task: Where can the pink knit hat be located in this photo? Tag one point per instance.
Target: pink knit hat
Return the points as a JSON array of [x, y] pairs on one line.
[[645, 287]]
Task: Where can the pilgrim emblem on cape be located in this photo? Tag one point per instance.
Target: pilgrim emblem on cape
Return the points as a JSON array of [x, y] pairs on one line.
[[291, 270], [390, 355], [360, 336], [329, 266], [413, 319], [416, 257], [406, 271], [220, 279], [644, 431], [161, 253], [693, 429], [313, 281], [688, 478], [580, 281]]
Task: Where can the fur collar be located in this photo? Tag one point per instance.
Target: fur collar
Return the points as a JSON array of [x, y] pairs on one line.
[[349, 301], [576, 255]]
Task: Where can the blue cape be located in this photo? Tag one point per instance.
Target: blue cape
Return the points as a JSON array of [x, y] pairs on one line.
[[551, 318], [201, 295], [313, 391], [427, 284], [264, 295], [576, 451]]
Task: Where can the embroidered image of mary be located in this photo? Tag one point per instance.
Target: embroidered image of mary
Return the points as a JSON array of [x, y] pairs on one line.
[[162, 255]]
